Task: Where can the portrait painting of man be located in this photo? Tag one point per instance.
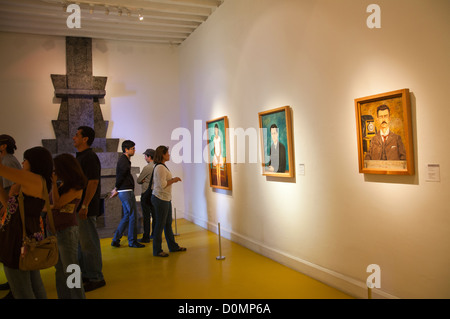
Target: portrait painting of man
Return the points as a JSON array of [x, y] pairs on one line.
[[384, 133], [276, 142]]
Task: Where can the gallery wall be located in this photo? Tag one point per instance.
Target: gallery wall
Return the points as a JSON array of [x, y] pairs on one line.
[[141, 102], [329, 221]]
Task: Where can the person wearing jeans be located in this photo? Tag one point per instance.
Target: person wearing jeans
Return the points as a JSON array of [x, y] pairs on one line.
[[89, 254], [125, 189], [162, 203], [147, 209]]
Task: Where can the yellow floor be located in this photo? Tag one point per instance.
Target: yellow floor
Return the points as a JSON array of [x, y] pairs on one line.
[[132, 273]]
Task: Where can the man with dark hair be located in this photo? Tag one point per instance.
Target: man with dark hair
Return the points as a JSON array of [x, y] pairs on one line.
[[7, 158], [385, 145], [125, 189], [90, 251]]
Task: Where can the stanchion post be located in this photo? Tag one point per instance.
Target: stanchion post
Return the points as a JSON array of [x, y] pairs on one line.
[[220, 257], [176, 229]]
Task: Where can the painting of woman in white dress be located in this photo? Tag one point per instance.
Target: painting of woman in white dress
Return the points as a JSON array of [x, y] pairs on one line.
[[219, 168]]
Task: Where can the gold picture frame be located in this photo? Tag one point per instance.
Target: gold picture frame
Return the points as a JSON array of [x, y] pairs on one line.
[[276, 136], [219, 166], [376, 115]]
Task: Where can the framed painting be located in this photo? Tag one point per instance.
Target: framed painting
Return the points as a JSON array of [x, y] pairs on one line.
[[276, 142], [385, 140], [219, 165]]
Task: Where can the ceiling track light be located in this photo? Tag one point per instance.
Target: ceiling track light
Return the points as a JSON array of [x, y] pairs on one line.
[[91, 8], [106, 10], [141, 17]]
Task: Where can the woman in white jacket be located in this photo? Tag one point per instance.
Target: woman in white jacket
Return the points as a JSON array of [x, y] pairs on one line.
[[162, 203]]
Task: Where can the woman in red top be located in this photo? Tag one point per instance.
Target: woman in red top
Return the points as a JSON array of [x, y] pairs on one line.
[[68, 182]]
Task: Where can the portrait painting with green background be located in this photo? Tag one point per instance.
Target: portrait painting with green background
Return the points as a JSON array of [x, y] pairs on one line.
[[211, 133], [278, 118]]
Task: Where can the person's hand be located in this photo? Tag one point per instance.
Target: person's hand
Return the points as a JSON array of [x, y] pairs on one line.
[[82, 213], [114, 193], [176, 180], [270, 169]]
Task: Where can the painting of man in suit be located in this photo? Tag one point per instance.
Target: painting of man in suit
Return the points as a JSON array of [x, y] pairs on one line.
[[276, 142], [386, 145]]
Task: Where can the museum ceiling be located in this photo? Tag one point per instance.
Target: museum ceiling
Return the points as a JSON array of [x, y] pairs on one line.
[[163, 21]]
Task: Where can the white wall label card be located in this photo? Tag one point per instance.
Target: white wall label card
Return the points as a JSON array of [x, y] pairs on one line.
[[433, 173], [301, 169]]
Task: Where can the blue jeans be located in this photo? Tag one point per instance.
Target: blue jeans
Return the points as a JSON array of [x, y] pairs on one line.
[[68, 254], [129, 218], [25, 284], [89, 253], [163, 213]]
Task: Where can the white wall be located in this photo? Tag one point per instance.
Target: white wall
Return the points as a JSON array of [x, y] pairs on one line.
[[141, 101], [317, 57]]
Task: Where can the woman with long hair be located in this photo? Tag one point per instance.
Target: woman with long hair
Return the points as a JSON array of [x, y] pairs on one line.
[[162, 203], [37, 169], [68, 182]]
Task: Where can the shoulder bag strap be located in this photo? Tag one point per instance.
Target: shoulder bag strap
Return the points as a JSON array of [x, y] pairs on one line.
[[151, 178], [47, 204]]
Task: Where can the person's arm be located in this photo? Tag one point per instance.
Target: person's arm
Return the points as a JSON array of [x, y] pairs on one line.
[[173, 181], [146, 171], [121, 171], [31, 183], [3, 197], [163, 178], [91, 189], [67, 197]]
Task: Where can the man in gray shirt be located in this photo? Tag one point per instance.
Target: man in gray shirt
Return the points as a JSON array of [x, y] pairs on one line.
[[147, 209]]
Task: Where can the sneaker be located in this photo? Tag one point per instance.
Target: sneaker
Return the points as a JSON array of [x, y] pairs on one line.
[[136, 245], [115, 243], [92, 285]]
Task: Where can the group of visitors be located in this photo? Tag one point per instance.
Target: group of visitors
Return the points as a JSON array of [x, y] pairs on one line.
[[156, 199], [73, 183], [74, 186]]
